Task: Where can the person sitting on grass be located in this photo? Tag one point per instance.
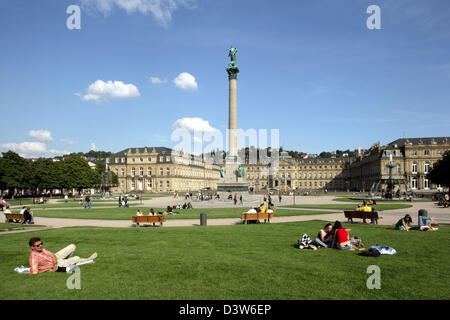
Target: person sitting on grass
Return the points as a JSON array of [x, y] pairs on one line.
[[325, 236], [425, 224], [341, 239], [42, 260], [152, 212], [403, 223]]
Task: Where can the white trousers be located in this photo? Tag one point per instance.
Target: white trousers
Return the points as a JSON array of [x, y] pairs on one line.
[[65, 256]]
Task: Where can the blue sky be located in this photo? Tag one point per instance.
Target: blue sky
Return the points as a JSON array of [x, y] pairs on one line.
[[311, 69]]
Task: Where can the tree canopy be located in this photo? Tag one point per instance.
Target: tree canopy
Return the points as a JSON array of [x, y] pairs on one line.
[[440, 173]]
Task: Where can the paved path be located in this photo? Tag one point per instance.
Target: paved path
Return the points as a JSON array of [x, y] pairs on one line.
[[442, 215]]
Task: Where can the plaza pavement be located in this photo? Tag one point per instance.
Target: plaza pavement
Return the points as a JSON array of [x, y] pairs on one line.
[[442, 215]]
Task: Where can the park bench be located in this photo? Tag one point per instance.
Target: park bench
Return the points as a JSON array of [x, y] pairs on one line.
[[10, 217], [245, 217], [138, 220], [373, 216]]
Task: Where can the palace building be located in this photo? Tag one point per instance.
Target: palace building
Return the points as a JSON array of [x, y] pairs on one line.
[[160, 169], [411, 160], [302, 174]]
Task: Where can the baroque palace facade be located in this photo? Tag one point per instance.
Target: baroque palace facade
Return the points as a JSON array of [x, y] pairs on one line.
[[153, 170], [302, 175], [160, 169], [411, 158]]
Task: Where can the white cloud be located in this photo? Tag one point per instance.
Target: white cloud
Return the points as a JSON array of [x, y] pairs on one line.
[[161, 10], [40, 135], [186, 81], [156, 80], [33, 149], [194, 124], [101, 91], [93, 147]]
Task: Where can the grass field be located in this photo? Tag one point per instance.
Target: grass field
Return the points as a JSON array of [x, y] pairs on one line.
[[230, 262], [350, 206], [127, 213], [13, 226], [379, 201]]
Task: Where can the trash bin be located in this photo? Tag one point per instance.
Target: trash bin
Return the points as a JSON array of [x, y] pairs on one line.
[[203, 219], [423, 212]]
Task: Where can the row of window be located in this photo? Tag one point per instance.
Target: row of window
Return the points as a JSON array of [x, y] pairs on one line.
[[414, 166], [161, 159], [305, 176], [299, 168], [426, 152], [181, 172]]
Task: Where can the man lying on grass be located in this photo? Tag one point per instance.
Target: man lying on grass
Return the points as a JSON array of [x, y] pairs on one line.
[[42, 260]]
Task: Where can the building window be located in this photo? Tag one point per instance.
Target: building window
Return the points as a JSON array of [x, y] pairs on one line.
[[149, 184], [133, 159], [439, 152], [149, 172], [141, 160], [117, 172], [133, 172], [426, 184], [168, 172], [141, 172], [414, 152], [161, 159], [161, 171], [414, 183], [168, 184], [160, 184], [122, 171], [426, 168], [133, 185], [414, 168], [149, 159], [427, 152], [168, 159]]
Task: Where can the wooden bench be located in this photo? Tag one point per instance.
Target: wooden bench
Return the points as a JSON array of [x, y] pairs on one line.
[[245, 217], [10, 217], [148, 219], [373, 216]]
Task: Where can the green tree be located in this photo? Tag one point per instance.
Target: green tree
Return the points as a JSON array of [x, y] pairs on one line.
[[440, 173], [14, 172], [325, 154], [78, 174], [46, 174]]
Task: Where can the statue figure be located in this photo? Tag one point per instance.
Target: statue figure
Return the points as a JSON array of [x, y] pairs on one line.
[[241, 172], [232, 54], [222, 173]]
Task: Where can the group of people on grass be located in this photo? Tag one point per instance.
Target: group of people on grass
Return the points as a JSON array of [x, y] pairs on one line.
[[424, 224], [335, 236]]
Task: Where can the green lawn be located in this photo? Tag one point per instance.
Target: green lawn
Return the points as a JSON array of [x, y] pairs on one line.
[[12, 226], [337, 206], [378, 201], [127, 213], [230, 262], [72, 205]]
